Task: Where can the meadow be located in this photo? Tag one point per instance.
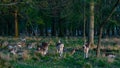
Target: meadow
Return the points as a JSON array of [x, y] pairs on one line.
[[29, 59]]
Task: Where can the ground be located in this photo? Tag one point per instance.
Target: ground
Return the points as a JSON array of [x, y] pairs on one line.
[[110, 46]]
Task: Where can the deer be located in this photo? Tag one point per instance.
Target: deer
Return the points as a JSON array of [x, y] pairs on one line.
[[43, 49], [5, 44], [12, 49], [86, 50], [22, 42], [32, 45], [60, 47]]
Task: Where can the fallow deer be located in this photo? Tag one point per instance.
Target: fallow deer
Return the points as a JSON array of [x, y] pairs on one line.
[[43, 49], [60, 47], [86, 50]]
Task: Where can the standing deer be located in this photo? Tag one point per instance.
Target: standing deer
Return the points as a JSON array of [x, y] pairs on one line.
[[86, 50], [60, 47]]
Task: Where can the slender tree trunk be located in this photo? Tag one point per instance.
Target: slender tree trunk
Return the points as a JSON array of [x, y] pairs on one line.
[[42, 31], [99, 42], [16, 23], [61, 34], [115, 31], [54, 18], [54, 21], [46, 29], [84, 25], [102, 25]]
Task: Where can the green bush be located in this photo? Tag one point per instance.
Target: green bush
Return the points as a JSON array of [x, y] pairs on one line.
[[87, 65], [4, 64]]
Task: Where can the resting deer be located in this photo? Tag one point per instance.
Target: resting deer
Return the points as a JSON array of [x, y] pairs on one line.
[[22, 42], [60, 47], [43, 49], [86, 50], [32, 45], [12, 49], [5, 44]]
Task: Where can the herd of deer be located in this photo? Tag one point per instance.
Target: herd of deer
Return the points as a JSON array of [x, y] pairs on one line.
[[42, 49]]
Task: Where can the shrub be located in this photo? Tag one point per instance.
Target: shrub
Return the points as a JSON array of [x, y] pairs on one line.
[[87, 65], [4, 64]]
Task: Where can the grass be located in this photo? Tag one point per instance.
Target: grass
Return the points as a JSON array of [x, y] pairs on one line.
[[52, 60]]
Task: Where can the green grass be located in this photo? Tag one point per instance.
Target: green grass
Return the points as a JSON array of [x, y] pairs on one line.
[[52, 60]]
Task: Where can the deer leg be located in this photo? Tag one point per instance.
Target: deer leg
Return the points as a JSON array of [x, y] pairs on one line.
[[87, 50]]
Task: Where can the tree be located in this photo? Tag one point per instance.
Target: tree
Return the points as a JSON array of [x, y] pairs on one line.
[[91, 25], [16, 22], [102, 25], [84, 25]]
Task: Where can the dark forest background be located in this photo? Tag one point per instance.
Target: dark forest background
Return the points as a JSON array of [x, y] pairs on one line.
[[56, 17]]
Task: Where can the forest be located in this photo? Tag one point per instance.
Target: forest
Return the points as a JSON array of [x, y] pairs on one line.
[[59, 33], [56, 18]]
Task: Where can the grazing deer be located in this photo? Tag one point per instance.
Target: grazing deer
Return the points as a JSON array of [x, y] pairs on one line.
[[5, 44], [60, 47], [43, 49], [86, 50], [13, 51], [22, 42], [23, 39]]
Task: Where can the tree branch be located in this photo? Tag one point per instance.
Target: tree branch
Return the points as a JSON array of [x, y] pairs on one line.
[[111, 13]]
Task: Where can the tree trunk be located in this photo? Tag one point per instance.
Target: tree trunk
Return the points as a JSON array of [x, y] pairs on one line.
[[91, 30], [84, 25], [54, 21], [99, 42], [61, 32], [102, 25], [91, 25], [16, 23]]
